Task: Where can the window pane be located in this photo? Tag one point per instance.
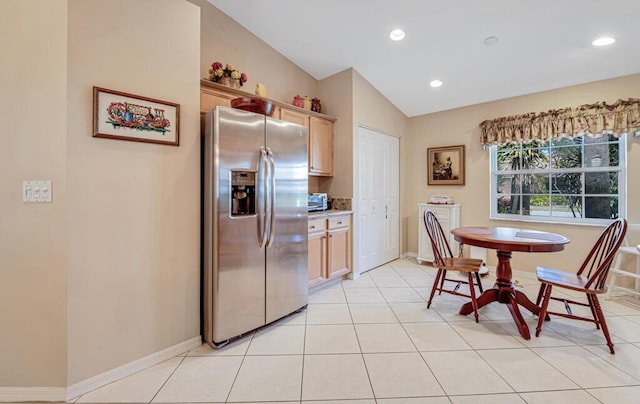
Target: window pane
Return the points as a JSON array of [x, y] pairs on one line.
[[539, 205], [565, 141], [535, 183], [535, 158], [525, 157], [508, 158], [601, 207], [565, 178], [508, 184], [601, 183], [569, 183], [614, 156], [566, 157], [508, 204], [566, 206]]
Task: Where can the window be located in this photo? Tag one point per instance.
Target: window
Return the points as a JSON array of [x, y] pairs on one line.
[[565, 180]]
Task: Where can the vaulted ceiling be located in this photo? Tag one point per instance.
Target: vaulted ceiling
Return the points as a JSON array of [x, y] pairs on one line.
[[539, 45]]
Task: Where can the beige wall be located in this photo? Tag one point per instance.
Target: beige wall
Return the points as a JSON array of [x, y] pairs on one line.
[[355, 102], [375, 111], [224, 40], [109, 272], [33, 236], [336, 93], [134, 208], [460, 126]]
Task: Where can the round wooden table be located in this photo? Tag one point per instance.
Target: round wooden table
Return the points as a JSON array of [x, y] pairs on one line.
[[506, 240]]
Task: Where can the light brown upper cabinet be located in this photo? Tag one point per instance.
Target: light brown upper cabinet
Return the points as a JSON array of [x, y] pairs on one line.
[[319, 126], [320, 147], [210, 98], [320, 140], [294, 117]]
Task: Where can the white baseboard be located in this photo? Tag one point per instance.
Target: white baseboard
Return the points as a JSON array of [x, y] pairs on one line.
[[409, 255], [128, 369], [21, 394]]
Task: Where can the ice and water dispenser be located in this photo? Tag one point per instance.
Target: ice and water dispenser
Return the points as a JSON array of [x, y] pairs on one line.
[[243, 193]]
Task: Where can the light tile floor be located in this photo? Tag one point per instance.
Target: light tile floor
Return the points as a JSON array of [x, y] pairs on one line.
[[373, 340]]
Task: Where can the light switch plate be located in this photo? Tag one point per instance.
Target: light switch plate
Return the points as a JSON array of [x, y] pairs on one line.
[[37, 191]]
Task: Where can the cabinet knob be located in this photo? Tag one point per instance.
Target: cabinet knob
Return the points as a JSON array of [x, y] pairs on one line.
[[339, 222], [312, 227]]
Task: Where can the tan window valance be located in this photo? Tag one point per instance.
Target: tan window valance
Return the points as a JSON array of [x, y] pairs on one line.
[[590, 119]]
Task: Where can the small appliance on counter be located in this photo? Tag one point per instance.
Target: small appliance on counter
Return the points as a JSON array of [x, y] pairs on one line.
[[318, 201]]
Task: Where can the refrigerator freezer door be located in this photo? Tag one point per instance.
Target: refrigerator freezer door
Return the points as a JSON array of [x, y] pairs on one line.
[[235, 272], [286, 276]]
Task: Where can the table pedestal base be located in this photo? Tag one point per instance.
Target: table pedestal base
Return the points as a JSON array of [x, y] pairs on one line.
[[512, 298], [504, 292], [505, 240]]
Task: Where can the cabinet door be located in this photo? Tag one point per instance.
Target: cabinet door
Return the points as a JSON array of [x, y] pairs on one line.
[[425, 252], [317, 257], [294, 117], [339, 252], [449, 218], [211, 99], [320, 147]]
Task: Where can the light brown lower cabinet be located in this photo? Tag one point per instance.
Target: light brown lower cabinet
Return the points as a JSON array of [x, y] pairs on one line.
[[329, 248], [317, 257]]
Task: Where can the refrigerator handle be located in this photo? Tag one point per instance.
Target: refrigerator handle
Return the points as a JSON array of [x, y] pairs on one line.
[[262, 187], [272, 196]]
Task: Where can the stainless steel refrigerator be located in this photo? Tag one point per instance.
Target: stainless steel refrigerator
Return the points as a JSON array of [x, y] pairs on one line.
[[255, 222]]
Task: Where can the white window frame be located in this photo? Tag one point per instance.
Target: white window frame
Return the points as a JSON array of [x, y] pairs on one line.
[[622, 189]]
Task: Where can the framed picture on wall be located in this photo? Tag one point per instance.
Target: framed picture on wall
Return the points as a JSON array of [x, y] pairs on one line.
[[445, 165], [118, 115]]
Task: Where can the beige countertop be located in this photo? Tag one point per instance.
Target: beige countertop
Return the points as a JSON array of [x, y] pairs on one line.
[[328, 213]]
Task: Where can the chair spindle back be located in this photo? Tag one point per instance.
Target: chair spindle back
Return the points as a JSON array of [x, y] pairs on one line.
[[439, 242], [601, 256]]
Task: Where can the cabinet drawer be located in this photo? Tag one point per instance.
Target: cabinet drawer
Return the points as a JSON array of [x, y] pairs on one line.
[[441, 213], [316, 225], [338, 222]]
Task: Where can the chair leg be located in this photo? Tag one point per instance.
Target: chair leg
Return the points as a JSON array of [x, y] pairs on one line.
[[593, 309], [479, 283], [434, 287], [444, 276], [603, 323], [472, 292], [543, 308], [540, 293]]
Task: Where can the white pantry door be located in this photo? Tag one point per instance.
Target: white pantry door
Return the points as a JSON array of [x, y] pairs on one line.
[[378, 205]]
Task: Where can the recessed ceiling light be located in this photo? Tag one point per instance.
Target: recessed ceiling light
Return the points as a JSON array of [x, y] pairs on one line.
[[604, 41], [490, 40], [397, 35], [436, 83]]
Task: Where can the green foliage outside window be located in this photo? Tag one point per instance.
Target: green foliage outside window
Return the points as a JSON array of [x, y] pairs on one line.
[[577, 178]]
